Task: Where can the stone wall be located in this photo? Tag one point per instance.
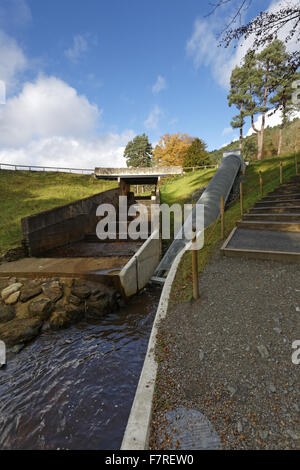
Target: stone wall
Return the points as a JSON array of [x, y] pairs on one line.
[[65, 224], [27, 307]]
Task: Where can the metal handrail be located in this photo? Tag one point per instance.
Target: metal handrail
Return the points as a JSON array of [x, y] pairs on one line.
[[44, 168]]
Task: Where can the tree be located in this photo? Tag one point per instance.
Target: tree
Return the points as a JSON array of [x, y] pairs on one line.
[[249, 149], [238, 97], [270, 61], [138, 152], [264, 28], [282, 100], [171, 149], [196, 154]]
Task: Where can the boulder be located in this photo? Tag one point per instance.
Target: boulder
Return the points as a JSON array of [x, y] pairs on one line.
[[11, 289], [53, 290], [29, 291], [81, 291], [12, 298], [7, 313], [41, 308], [97, 306], [72, 299], [19, 331], [65, 317]]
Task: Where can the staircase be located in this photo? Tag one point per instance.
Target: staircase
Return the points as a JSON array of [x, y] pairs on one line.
[[271, 229]]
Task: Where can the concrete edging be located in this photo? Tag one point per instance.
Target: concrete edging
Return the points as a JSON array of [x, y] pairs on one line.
[[136, 436]]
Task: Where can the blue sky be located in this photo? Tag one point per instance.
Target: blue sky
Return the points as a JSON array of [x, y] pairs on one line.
[[84, 76]]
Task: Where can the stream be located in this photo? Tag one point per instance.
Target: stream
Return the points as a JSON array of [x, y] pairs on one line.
[[73, 389]]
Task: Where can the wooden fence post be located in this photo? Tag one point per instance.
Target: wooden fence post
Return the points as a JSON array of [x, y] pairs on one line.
[[280, 167], [261, 184], [195, 269], [222, 218], [241, 199]]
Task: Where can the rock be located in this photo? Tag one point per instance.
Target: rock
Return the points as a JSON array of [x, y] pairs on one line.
[[30, 291], [11, 290], [7, 313], [20, 331], [201, 355], [72, 299], [263, 351], [17, 348], [12, 280], [13, 298], [239, 427], [96, 308], [53, 290], [277, 330], [81, 291], [41, 308], [63, 318]]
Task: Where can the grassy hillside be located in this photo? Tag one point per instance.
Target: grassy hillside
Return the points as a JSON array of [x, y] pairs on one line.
[[180, 188], [290, 143], [182, 286], [24, 193]]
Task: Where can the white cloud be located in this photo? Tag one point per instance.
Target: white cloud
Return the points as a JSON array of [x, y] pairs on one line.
[[105, 150], [204, 50], [152, 120], [48, 107], [271, 120], [79, 47], [159, 85], [12, 61]]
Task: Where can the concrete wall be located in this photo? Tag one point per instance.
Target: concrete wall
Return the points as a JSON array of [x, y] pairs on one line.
[[64, 224], [137, 272], [161, 170]]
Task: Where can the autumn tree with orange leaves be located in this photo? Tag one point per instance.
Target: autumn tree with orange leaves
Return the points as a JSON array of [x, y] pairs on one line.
[[171, 149]]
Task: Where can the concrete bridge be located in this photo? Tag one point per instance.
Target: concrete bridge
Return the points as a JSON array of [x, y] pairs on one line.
[[144, 175]]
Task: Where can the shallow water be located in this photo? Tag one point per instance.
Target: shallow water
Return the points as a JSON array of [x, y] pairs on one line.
[[74, 389]]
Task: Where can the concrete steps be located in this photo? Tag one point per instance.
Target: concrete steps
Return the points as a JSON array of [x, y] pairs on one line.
[[271, 229], [276, 209], [269, 225], [274, 216]]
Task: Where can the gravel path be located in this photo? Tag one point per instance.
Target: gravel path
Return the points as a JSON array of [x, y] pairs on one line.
[[229, 356]]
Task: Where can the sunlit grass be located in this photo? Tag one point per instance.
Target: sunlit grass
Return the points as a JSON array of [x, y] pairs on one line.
[[23, 193]]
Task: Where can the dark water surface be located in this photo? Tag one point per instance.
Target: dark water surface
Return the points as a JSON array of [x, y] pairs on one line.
[[74, 389]]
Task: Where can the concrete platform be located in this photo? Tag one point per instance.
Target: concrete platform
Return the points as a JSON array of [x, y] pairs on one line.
[[101, 269], [263, 244], [95, 249]]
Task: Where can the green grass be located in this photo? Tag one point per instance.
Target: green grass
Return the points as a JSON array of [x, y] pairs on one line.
[[182, 285], [180, 188], [23, 193]]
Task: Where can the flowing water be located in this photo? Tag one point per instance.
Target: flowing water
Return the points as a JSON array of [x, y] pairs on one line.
[[74, 389]]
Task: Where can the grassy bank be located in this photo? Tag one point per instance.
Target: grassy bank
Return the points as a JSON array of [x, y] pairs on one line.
[[24, 193], [180, 188], [182, 286]]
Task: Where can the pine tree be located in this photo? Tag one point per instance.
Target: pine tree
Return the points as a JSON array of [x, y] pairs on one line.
[[238, 97], [196, 154], [282, 99], [138, 152]]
